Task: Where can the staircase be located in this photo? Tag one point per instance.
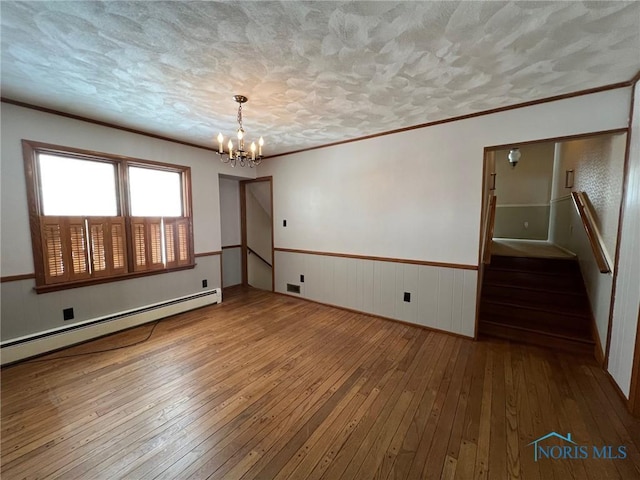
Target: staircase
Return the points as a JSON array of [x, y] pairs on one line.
[[539, 301]]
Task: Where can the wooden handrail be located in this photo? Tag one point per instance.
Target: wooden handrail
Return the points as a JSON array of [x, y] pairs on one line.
[[582, 206], [488, 234], [251, 250]]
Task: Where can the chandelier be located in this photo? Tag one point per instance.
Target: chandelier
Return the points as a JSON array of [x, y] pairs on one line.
[[240, 155]]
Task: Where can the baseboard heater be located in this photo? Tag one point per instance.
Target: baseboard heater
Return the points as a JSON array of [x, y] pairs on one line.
[[36, 344]]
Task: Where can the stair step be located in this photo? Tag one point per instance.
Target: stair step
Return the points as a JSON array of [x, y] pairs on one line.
[[536, 296], [568, 326], [541, 339], [541, 301], [530, 264], [559, 282], [533, 310]]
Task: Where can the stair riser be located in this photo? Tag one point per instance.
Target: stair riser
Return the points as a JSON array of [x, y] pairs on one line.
[[548, 299], [538, 301], [537, 339], [535, 264], [534, 318], [562, 283]]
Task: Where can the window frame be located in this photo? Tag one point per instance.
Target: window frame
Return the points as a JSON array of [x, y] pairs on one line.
[[31, 150]]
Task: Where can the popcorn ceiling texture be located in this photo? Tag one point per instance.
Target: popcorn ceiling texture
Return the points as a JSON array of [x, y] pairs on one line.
[[314, 72]]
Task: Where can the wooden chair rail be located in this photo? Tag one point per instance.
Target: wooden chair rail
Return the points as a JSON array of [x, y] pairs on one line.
[[580, 200]]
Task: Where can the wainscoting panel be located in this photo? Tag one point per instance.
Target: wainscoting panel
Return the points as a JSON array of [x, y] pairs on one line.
[[231, 266], [428, 296], [311, 267], [384, 283], [288, 268], [366, 284], [443, 298]]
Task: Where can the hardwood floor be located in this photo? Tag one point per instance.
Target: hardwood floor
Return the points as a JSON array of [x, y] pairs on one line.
[[272, 387]]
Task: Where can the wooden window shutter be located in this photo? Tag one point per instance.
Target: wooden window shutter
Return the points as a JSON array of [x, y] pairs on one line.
[[99, 249], [53, 246], [138, 232], [64, 247], [154, 246], [108, 253], [183, 243], [78, 248], [118, 246], [170, 233], [147, 243]]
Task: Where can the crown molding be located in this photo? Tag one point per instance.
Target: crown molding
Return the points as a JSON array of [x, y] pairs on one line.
[[555, 98]]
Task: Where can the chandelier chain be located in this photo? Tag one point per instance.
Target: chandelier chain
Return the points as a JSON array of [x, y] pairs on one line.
[[240, 116]]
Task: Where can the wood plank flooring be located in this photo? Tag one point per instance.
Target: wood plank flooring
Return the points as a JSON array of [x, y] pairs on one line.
[[271, 387]]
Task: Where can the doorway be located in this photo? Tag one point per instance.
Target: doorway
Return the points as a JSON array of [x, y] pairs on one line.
[[538, 239], [256, 213]]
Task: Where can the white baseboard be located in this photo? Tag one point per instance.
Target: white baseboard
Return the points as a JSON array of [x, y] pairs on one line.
[[17, 349]]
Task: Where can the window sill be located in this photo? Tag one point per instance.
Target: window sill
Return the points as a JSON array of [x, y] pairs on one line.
[[55, 287]]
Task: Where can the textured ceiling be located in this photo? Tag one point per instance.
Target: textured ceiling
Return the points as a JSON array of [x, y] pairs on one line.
[[314, 72]]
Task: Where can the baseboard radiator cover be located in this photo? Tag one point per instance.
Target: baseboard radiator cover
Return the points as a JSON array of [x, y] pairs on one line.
[[17, 349]]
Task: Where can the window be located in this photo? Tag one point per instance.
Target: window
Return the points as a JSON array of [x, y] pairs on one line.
[[97, 217]]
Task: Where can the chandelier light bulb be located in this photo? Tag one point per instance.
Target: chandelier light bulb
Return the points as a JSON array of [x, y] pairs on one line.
[[220, 140]]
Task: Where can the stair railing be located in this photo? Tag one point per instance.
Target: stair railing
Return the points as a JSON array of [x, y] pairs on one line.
[[251, 250], [580, 201], [490, 222]]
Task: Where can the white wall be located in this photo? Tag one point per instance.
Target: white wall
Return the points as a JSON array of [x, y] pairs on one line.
[[259, 274], [529, 182], [230, 231], [627, 294], [569, 233], [259, 226], [231, 266], [230, 211], [598, 164], [416, 194], [523, 192], [598, 170], [23, 311]]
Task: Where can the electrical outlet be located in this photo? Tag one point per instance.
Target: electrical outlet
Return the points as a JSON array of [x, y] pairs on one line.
[[204, 283], [407, 297], [67, 314]]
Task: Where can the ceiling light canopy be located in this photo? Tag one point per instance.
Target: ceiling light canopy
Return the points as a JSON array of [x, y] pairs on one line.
[[240, 155]]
